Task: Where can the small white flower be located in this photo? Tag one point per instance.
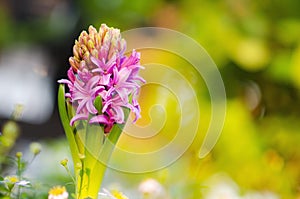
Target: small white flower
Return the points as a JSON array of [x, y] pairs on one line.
[[114, 194], [221, 186], [105, 195], [224, 191], [152, 188], [23, 183], [58, 192]]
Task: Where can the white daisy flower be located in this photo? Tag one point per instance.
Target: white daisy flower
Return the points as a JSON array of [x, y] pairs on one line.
[[114, 194], [58, 192], [151, 188]]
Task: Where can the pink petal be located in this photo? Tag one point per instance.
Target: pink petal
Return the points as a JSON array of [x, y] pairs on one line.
[[123, 74], [97, 62], [78, 117], [119, 114], [123, 95], [79, 87], [105, 79], [90, 107], [92, 82], [71, 75], [81, 105], [102, 119], [64, 81]]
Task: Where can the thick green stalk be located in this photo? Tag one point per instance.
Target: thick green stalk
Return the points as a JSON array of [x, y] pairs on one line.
[[96, 159], [90, 149]]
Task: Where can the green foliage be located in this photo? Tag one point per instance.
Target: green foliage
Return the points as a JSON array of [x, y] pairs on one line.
[[10, 133], [17, 186]]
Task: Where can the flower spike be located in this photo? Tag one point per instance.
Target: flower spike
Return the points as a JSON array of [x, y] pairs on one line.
[[100, 68]]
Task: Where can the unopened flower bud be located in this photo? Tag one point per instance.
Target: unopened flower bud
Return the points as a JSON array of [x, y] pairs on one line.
[[35, 148], [11, 130], [19, 154], [64, 162], [75, 51], [9, 134], [90, 45]]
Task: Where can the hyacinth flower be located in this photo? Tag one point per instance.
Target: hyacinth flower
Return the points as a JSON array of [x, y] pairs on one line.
[[103, 85]]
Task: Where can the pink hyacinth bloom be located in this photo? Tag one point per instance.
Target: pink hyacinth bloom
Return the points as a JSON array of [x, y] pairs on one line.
[[99, 67]]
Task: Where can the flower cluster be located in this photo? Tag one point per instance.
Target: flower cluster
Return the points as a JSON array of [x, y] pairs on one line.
[[101, 70]]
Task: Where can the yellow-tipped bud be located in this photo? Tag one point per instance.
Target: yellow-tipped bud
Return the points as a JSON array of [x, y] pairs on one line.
[[91, 45], [86, 57], [19, 154], [64, 162], [95, 53], [35, 148], [75, 50]]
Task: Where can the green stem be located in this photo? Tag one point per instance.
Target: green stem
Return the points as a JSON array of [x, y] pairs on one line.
[[95, 166], [19, 192], [87, 140], [70, 174], [19, 168], [81, 174]]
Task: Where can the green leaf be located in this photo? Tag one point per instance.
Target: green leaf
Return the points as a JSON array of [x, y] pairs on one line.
[[112, 139], [94, 170], [73, 195], [117, 129], [98, 104], [97, 151], [94, 139], [70, 110], [80, 135], [66, 124]]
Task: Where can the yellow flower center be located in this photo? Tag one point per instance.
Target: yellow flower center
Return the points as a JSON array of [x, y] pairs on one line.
[[118, 194], [13, 179], [56, 191]]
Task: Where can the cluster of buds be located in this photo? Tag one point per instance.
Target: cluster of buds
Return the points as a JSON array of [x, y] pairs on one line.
[[106, 44], [102, 80]]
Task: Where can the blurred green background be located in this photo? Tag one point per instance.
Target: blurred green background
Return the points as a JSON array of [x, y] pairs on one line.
[[256, 46]]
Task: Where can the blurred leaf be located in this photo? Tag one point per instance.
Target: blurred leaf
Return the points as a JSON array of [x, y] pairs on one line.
[[288, 31], [251, 54], [280, 68], [295, 66]]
